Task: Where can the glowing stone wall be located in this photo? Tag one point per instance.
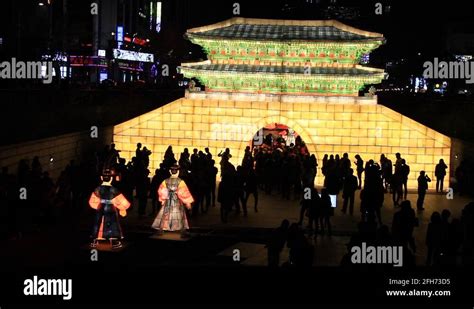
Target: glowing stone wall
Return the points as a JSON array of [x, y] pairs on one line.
[[332, 128]]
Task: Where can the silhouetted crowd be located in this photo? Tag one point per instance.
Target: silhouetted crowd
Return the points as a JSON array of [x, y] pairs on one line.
[[197, 170], [281, 168], [450, 243], [31, 200]]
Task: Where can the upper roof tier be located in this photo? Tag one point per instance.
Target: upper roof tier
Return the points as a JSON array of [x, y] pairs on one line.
[[286, 30]]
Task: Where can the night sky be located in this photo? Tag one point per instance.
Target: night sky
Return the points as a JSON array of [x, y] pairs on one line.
[[410, 27]]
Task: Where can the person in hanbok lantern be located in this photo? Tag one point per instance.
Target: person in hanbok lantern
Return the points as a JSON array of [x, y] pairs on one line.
[[175, 198], [109, 204]]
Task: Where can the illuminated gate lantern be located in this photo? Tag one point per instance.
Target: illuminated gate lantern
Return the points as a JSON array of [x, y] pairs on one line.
[[303, 74]]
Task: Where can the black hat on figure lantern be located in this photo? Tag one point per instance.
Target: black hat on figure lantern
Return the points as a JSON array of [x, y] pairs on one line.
[[174, 168], [108, 173]]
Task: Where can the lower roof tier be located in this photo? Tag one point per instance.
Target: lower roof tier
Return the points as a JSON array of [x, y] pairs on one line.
[[283, 80], [252, 69]]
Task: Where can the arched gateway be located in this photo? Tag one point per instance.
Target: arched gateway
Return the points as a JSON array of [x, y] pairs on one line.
[[302, 74]]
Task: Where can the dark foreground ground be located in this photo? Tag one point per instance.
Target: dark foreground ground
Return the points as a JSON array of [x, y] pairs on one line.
[[202, 269]]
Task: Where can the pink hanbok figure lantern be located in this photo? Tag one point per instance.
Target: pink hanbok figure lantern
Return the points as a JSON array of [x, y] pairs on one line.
[[175, 198]]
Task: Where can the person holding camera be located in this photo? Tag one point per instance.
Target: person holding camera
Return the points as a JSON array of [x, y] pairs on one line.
[[423, 180]]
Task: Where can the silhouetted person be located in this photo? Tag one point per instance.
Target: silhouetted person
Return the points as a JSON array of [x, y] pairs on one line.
[[247, 161], [184, 160], [213, 176], [440, 173], [276, 243], [306, 204], [333, 183], [387, 171], [268, 140], [348, 191], [295, 176], [324, 167], [301, 252], [138, 152], [251, 188], [455, 238], [146, 157], [225, 196], [36, 168], [285, 178], [403, 223], [160, 175], [405, 171], [398, 161], [208, 153], [330, 165], [113, 156], [445, 229], [396, 185], [360, 169], [206, 174], [47, 195], [462, 177], [155, 183], [194, 158], [225, 155], [423, 180], [313, 165], [345, 165], [143, 185], [371, 198], [368, 169], [314, 212], [268, 176], [226, 165], [239, 182], [326, 212], [169, 159], [433, 238]]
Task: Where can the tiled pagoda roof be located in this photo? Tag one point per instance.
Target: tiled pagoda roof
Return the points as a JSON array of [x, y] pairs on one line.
[[269, 29]]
